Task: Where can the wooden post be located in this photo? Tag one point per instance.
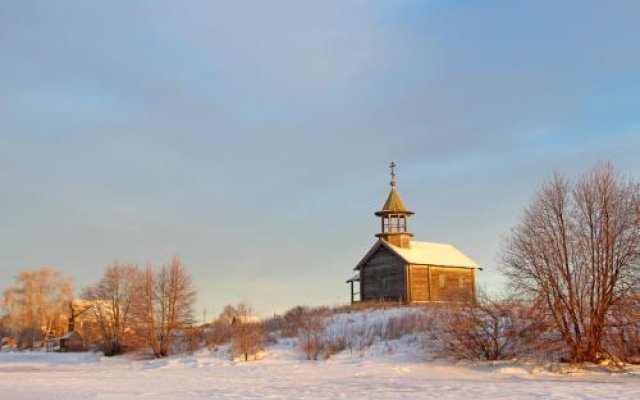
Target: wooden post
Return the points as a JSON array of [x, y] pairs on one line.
[[428, 283], [473, 285], [407, 283], [352, 291]]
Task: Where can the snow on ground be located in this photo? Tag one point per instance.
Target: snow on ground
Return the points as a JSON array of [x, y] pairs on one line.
[[391, 369], [281, 374]]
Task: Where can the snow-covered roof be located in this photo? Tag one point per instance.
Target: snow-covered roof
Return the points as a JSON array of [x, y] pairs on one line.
[[67, 335], [425, 253], [355, 278], [245, 319], [433, 254]]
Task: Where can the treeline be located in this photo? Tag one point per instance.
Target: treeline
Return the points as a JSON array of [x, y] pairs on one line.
[[129, 308]]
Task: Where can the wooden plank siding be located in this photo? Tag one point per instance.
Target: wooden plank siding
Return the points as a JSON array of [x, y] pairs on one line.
[[418, 283], [430, 283], [452, 284], [383, 277]]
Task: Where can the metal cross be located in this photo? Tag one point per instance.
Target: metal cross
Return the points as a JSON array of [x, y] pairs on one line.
[[393, 173]]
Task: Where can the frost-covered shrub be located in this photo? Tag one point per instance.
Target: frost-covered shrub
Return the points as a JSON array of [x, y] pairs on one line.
[[622, 335], [218, 332], [293, 320], [334, 344], [406, 324], [274, 325], [187, 340], [311, 335], [491, 330], [362, 334]]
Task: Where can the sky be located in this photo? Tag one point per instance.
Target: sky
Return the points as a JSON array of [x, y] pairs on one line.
[[253, 138]]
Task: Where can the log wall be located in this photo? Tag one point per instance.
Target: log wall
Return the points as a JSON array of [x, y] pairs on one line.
[[383, 277]]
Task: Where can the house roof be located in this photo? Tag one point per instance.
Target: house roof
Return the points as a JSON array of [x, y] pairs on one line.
[[67, 335], [424, 253], [245, 319]]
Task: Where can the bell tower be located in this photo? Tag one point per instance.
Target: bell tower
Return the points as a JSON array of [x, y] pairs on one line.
[[393, 217]]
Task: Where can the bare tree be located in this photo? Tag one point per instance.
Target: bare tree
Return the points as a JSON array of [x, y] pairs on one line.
[[230, 312], [166, 306], [112, 300], [147, 311], [36, 305], [577, 250], [247, 335], [5, 327]]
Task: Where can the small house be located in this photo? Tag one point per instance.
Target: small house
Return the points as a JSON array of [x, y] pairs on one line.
[[71, 341]]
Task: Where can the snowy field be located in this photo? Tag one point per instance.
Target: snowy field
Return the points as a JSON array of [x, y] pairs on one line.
[[281, 374]]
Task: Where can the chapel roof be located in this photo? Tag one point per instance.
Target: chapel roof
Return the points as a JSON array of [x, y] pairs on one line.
[[394, 204], [425, 253]]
